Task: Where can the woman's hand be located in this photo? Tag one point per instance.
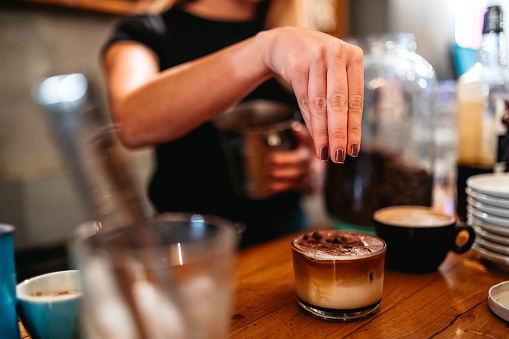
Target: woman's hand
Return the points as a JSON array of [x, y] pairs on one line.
[[326, 74], [327, 77], [298, 169]]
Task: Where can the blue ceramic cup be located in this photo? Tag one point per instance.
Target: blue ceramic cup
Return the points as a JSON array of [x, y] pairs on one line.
[[8, 319], [49, 304]]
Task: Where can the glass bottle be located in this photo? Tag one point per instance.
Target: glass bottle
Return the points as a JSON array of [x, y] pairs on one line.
[[396, 162], [482, 91]]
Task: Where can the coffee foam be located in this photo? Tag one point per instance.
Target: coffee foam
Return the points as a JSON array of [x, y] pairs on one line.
[[337, 245], [412, 216]]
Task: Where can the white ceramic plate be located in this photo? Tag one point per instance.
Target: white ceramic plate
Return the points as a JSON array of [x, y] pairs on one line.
[[493, 184], [493, 237], [501, 230], [494, 220], [498, 300], [488, 209], [501, 261], [487, 199], [494, 247]]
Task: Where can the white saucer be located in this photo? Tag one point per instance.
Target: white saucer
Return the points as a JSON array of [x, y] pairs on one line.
[[491, 210], [494, 247], [487, 199], [501, 230], [499, 260], [494, 220], [498, 300], [493, 237], [493, 184]]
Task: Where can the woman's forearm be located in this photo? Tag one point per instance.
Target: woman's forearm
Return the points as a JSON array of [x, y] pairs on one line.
[[152, 107]]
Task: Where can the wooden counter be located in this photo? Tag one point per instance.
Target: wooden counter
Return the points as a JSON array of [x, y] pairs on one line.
[[450, 303]]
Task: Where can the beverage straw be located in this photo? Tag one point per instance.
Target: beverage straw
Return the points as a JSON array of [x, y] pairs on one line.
[[117, 170]]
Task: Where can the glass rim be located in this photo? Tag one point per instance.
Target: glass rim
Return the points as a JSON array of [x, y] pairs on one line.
[[396, 37], [259, 108], [6, 229], [84, 234]]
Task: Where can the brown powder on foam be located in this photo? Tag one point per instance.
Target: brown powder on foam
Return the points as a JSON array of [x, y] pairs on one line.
[[338, 243], [55, 293]]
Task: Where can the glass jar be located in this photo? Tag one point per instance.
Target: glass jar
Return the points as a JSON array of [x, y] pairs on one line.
[[396, 162]]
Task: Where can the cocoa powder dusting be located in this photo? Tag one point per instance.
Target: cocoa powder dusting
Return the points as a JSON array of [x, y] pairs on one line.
[[338, 243]]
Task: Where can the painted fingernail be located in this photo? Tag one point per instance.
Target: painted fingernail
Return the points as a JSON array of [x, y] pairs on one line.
[[354, 150], [324, 153], [339, 156]]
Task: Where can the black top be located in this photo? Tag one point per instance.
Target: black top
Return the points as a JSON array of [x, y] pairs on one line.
[[192, 173]]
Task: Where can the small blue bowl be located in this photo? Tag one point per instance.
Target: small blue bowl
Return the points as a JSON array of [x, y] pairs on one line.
[[49, 304]]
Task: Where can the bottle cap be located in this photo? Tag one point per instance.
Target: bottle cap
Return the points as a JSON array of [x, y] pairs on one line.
[[493, 20]]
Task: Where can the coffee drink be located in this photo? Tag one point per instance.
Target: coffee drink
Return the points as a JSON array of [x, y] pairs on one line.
[[339, 275], [419, 237], [58, 293], [413, 216], [49, 305]]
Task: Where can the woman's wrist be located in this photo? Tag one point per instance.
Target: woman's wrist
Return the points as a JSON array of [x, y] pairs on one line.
[[263, 42]]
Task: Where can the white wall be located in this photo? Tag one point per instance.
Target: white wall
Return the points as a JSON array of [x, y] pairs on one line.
[[432, 23], [37, 194]]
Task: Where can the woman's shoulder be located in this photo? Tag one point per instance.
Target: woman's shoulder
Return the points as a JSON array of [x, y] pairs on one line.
[[148, 29], [141, 23], [153, 24]]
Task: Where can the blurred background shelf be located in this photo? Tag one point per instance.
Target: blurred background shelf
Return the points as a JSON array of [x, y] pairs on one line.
[[108, 6], [330, 16]]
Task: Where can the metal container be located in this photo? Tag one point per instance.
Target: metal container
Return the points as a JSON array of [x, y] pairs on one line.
[[8, 318], [250, 132]]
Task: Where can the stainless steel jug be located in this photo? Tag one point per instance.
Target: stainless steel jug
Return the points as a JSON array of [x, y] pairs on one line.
[[249, 132]]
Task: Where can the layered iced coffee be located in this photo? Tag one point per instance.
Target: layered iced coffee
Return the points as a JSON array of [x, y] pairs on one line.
[[339, 275]]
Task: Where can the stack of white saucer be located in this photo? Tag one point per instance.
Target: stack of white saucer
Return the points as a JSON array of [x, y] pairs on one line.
[[488, 213]]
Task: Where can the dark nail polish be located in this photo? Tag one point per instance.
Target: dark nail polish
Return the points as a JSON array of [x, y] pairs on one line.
[[339, 156], [324, 153], [354, 150]]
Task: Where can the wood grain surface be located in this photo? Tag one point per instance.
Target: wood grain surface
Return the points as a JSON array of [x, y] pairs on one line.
[[449, 303]]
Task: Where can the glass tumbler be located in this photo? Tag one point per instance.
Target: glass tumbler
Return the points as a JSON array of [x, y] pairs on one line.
[[185, 291], [339, 275]]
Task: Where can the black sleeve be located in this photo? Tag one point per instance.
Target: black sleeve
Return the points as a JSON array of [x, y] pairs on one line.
[[145, 29]]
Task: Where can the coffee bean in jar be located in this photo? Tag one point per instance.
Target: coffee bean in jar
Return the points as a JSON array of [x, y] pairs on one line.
[[397, 159], [377, 178]]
